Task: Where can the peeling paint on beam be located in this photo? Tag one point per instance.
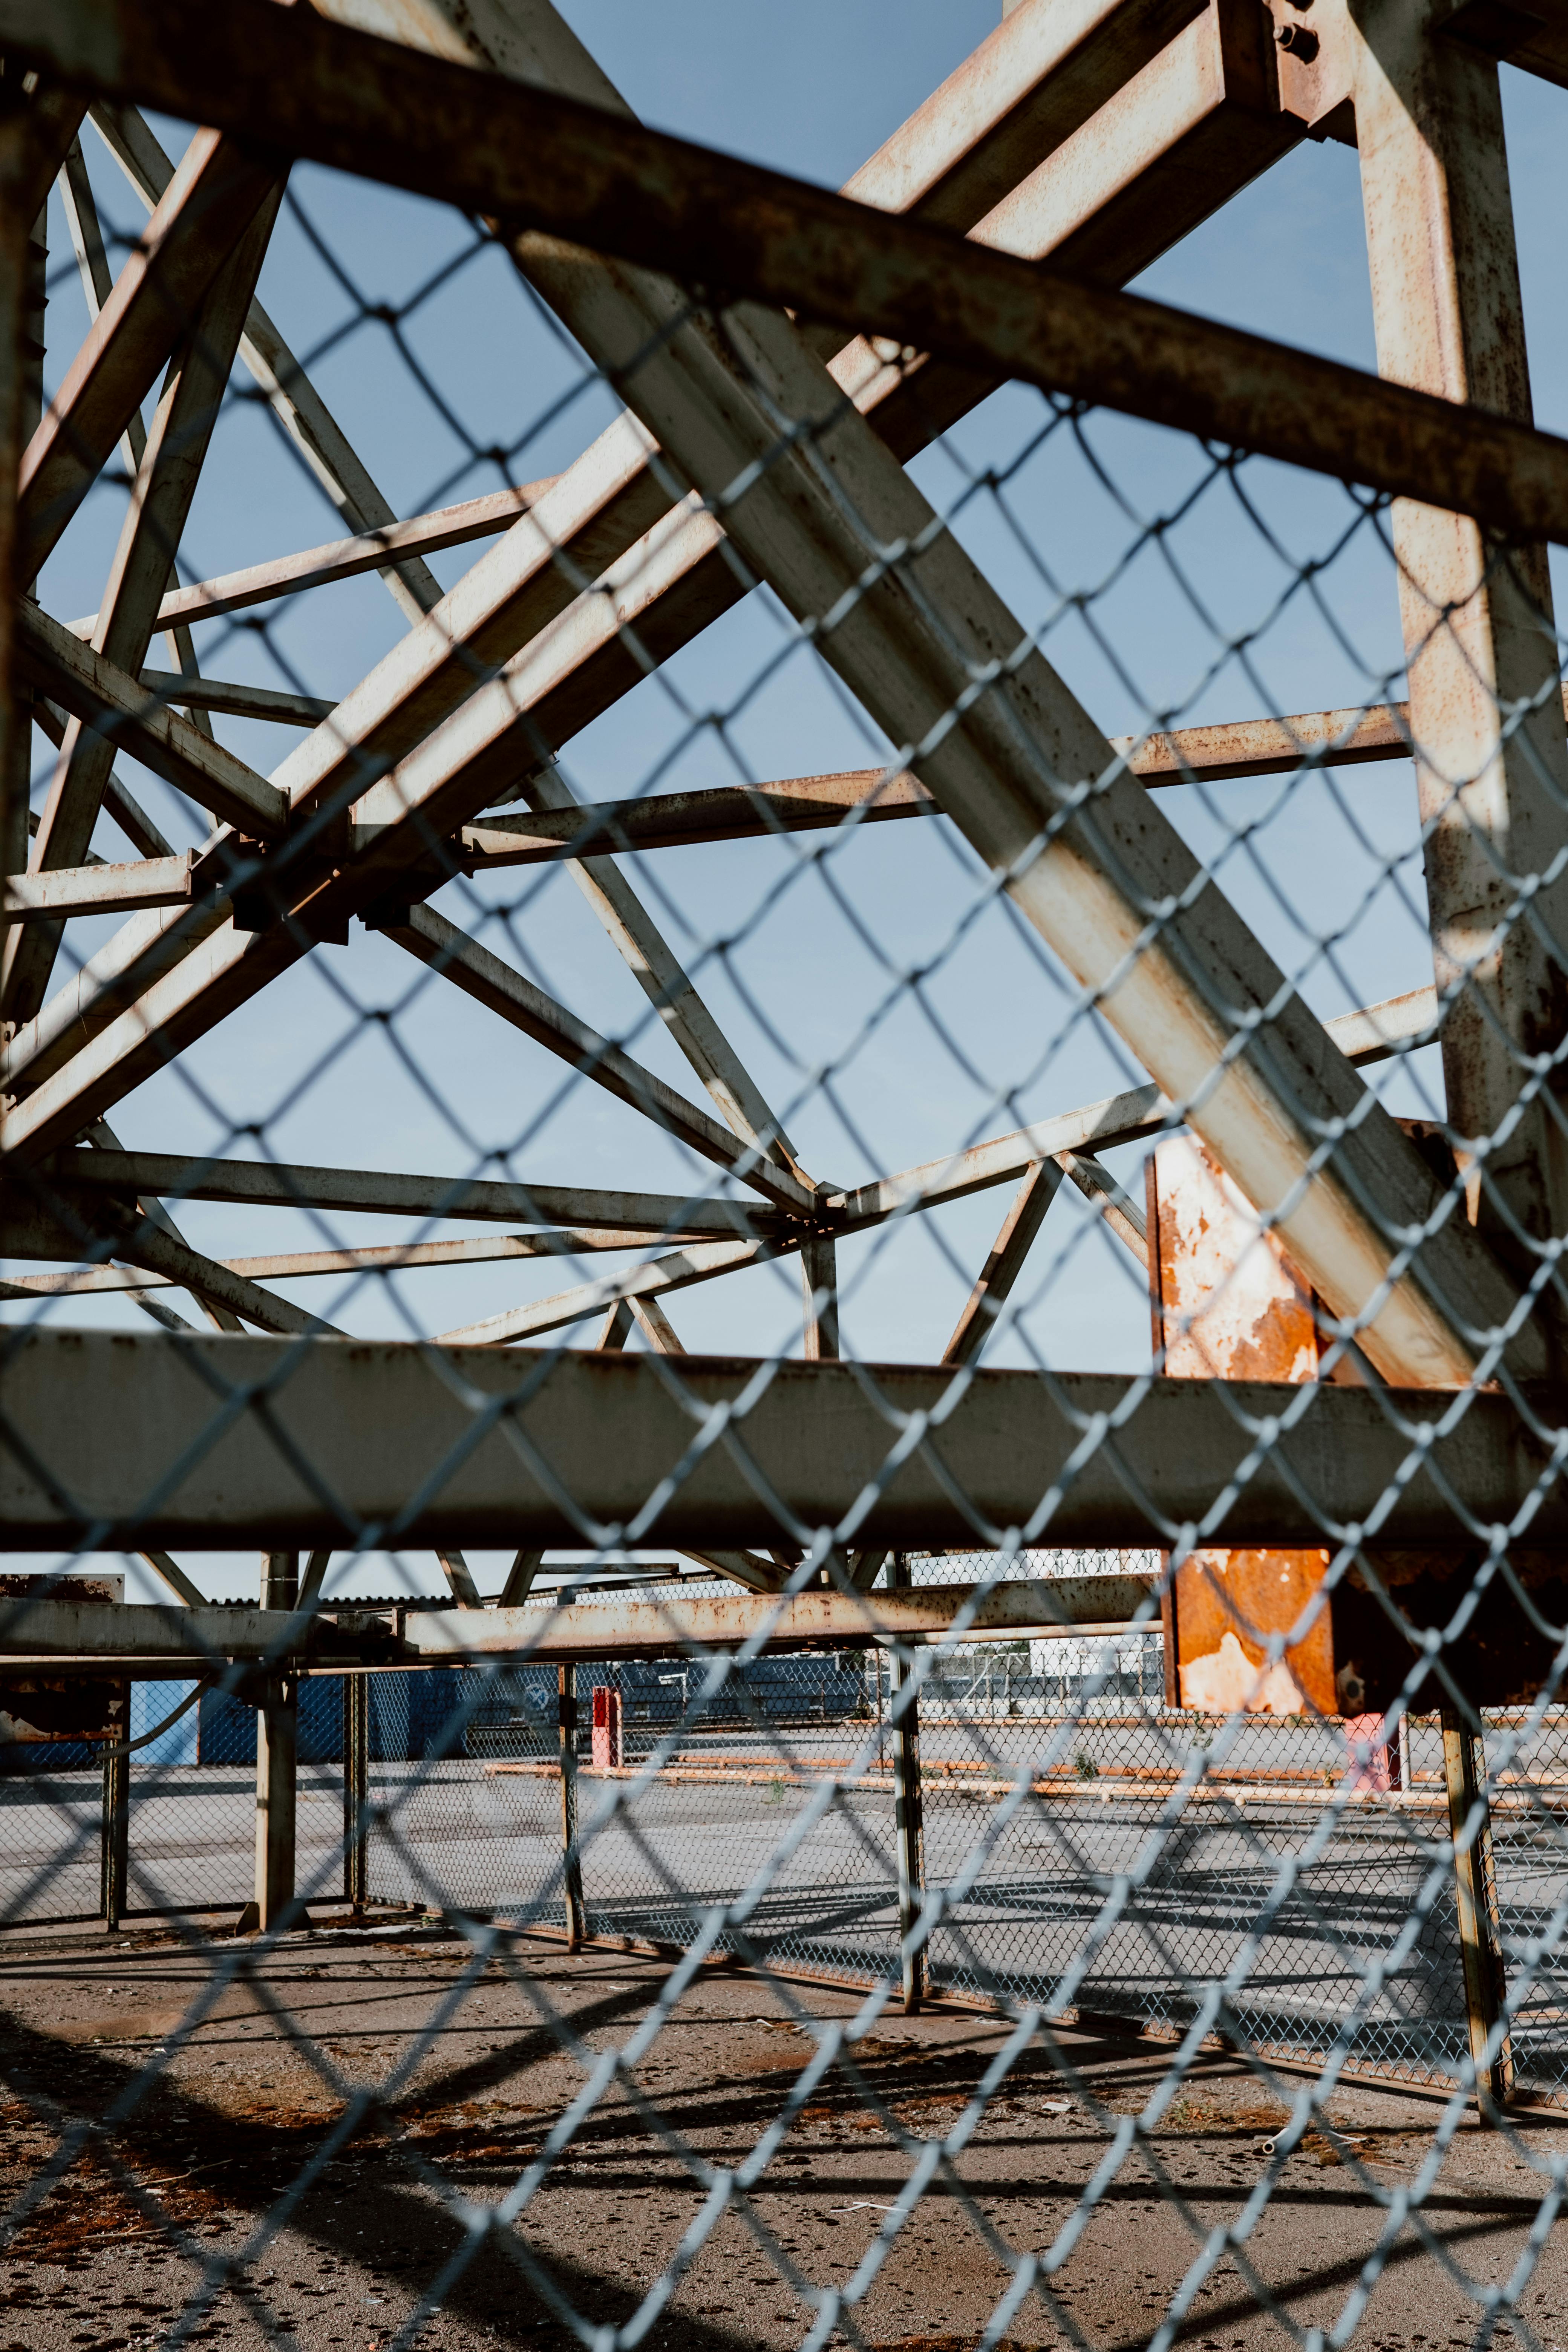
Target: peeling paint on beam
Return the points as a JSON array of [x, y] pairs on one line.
[[90, 1634]]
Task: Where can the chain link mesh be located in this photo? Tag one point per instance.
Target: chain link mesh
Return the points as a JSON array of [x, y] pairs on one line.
[[1125, 1951]]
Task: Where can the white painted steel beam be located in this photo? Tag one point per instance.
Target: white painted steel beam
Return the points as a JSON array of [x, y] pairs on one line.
[[390, 1257], [418, 1443], [1374, 1034], [206, 208], [698, 1261], [503, 990], [342, 559], [293, 398], [99, 889]]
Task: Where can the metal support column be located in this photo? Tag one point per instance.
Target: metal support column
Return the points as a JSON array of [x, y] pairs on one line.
[[566, 1684], [1475, 1896], [819, 1285], [909, 1811], [115, 1836], [1479, 637], [22, 265], [277, 1751], [356, 1790]]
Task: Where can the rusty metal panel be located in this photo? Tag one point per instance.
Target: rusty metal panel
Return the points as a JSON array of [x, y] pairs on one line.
[[1227, 1306], [47, 1708], [1226, 1605]]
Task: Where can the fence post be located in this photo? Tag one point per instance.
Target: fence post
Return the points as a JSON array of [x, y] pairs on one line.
[[1475, 1895], [909, 1811], [356, 1790], [115, 1834], [566, 1686], [277, 1751]]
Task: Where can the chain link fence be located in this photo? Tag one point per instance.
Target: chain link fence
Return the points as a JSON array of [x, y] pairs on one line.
[[819, 1068]]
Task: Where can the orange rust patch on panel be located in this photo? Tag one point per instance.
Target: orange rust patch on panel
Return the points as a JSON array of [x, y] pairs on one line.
[[1227, 1306], [1227, 1604]]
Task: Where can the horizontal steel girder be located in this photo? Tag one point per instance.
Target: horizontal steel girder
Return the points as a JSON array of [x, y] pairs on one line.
[[124, 1439], [538, 160], [91, 1634]]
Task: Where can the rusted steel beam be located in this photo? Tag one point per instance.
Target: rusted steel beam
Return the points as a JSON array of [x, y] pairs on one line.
[[1140, 173], [1370, 1035], [906, 642], [1232, 748], [95, 1631], [659, 972], [383, 1192], [446, 950], [1020, 96], [672, 820], [552, 163], [119, 801], [1004, 1263], [146, 1242], [1116, 1209], [342, 559], [698, 1261], [239, 701], [94, 1425], [281, 1266], [81, 207], [208, 205], [99, 889], [100, 692]]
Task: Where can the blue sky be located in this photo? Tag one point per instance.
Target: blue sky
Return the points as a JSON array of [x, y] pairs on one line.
[[361, 1059]]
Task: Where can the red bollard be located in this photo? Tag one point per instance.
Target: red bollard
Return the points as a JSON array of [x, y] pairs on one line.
[[607, 1727]]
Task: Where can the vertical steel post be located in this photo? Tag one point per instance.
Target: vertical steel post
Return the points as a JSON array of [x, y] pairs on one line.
[[20, 380], [1475, 1897], [356, 1790], [572, 1861], [115, 1834], [819, 1287], [1479, 638], [909, 1811], [277, 1752]]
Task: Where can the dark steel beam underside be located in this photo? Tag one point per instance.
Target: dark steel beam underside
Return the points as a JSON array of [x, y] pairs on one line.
[[112, 1440]]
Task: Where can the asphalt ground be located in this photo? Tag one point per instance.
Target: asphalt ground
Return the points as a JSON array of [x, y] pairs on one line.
[[176, 2178], [455, 1835]]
